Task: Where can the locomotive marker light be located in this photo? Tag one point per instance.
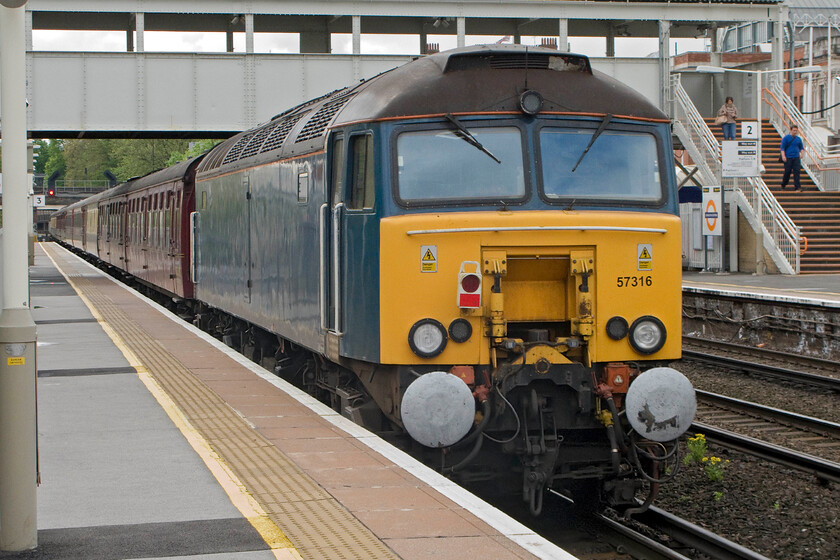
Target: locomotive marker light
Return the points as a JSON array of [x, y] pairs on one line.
[[617, 328], [469, 286], [460, 330], [647, 335], [530, 102], [427, 338], [661, 404], [438, 409]]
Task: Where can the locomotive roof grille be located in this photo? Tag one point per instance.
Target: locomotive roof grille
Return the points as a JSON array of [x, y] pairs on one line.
[[215, 156], [517, 60], [255, 143], [234, 153], [278, 135], [318, 122]]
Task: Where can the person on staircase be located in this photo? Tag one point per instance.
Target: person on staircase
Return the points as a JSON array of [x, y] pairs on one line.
[[726, 116], [791, 149]]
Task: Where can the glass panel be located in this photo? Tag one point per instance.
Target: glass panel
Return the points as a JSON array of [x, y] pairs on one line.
[[619, 165], [362, 191], [441, 166]]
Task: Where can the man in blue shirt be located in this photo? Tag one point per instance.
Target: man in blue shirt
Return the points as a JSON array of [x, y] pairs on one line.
[[791, 152]]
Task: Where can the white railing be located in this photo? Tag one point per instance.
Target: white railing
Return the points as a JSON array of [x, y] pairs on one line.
[[778, 228], [820, 161], [781, 235], [695, 135]]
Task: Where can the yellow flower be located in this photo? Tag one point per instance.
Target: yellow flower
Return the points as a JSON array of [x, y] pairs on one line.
[[705, 459]]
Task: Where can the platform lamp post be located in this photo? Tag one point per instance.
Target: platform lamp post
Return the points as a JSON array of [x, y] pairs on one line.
[[757, 94], [18, 521]]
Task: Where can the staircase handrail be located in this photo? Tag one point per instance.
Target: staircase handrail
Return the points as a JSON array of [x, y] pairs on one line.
[[777, 224], [821, 162], [697, 128]]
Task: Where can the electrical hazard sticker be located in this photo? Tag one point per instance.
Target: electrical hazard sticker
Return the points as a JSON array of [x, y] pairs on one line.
[[428, 258], [644, 252]]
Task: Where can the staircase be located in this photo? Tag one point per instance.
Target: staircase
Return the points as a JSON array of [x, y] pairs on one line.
[[816, 213]]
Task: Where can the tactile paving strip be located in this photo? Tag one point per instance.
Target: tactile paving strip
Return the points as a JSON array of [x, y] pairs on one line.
[[318, 525]]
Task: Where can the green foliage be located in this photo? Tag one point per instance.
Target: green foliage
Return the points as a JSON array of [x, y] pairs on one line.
[[87, 160], [79, 160], [50, 157], [718, 496], [195, 148], [697, 454], [134, 158]]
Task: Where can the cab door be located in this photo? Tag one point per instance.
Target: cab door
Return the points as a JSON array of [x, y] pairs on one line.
[[330, 256], [349, 250]]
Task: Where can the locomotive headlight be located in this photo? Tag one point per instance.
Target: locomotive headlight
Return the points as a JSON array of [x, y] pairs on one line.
[[427, 338], [647, 335], [530, 102]]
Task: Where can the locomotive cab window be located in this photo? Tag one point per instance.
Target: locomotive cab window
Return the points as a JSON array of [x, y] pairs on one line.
[[617, 165], [361, 173], [448, 165]]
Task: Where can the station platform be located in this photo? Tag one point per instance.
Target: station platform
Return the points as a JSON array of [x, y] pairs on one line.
[[822, 290], [157, 441]]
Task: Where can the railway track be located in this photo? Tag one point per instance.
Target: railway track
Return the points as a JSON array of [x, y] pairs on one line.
[[794, 429], [813, 372], [652, 535]]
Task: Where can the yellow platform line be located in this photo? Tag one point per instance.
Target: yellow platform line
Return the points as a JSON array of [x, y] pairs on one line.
[[280, 545]]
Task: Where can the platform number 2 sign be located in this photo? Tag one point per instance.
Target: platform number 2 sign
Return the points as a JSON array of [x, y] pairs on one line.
[[749, 129]]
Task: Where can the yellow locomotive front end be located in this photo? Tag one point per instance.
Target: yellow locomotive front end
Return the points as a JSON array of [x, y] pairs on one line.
[[547, 317]]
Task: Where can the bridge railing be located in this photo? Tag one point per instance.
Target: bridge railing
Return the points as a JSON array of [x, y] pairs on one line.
[[90, 186]]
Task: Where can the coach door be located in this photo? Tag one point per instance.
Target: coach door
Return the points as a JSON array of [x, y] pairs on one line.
[[330, 259]]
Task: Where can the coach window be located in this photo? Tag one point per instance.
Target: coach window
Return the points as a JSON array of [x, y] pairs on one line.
[[361, 174]]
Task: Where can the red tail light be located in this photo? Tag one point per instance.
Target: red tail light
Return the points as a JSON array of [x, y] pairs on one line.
[[469, 285]]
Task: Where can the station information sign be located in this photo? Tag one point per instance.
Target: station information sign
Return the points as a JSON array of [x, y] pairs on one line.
[[712, 211], [740, 158]]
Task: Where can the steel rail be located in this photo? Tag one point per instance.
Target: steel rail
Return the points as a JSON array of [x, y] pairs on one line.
[[821, 468], [824, 427], [813, 379], [696, 537], [769, 353]]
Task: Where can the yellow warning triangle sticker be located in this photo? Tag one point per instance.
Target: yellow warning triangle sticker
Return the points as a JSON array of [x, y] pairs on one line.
[[645, 254], [428, 256]]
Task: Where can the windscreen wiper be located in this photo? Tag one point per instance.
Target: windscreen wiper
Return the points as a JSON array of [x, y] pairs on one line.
[[462, 132], [601, 127]]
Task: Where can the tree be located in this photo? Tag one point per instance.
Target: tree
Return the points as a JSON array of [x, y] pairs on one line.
[[134, 158], [50, 157], [87, 159], [195, 148]]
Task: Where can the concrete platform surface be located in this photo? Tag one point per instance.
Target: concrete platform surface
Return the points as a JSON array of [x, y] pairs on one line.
[[157, 441]]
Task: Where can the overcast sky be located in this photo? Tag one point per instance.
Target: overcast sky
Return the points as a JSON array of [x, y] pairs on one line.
[[341, 43]]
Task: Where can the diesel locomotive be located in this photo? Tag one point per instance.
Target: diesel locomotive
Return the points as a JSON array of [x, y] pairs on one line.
[[480, 248]]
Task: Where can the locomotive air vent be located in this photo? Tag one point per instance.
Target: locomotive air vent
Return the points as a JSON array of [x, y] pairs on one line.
[[255, 143], [321, 119], [278, 135], [216, 155], [234, 153], [539, 60]]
